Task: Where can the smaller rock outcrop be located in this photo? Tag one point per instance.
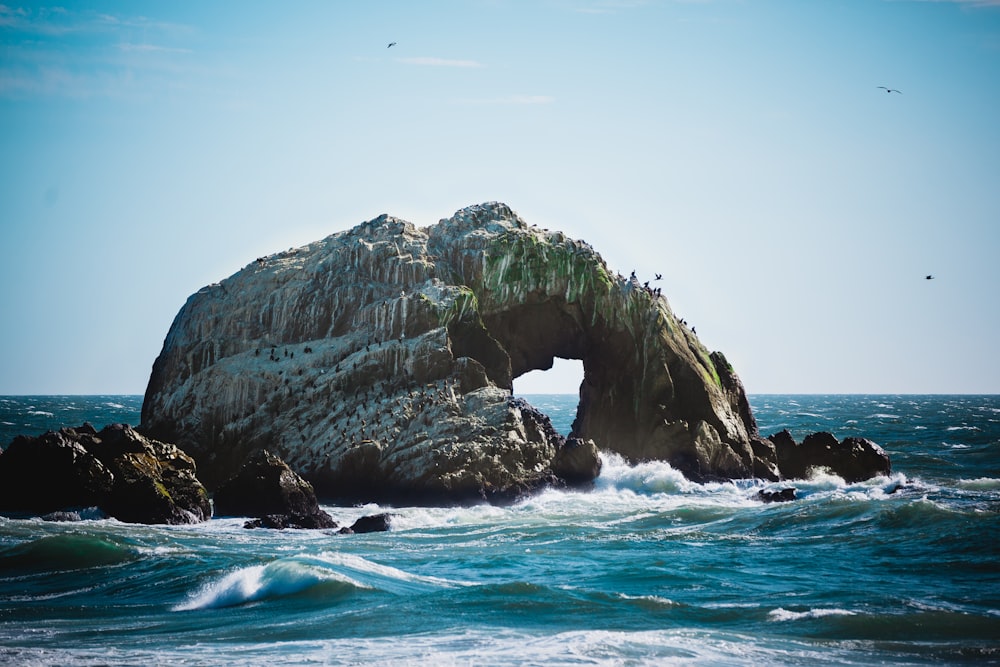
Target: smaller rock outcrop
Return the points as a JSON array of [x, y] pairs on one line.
[[126, 475], [52, 472], [265, 487], [577, 461], [776, 496], [299, 521], [375, 523], [853, 459]]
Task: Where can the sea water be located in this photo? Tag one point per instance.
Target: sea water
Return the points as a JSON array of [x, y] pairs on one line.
[[643, 568]]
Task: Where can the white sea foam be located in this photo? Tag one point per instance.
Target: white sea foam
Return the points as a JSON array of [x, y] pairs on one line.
[[646, 478], [980, 484], [780, 614], [448, 648], [653, 599]]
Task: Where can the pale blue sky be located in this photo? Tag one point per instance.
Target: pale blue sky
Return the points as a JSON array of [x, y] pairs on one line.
[[740, 148]]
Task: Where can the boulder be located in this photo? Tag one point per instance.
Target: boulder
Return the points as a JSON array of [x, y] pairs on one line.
[[126, 475], [853, 459], [52, 472], [375, 523], [267, 488], [577, 461], [265, 485], [379, 363]]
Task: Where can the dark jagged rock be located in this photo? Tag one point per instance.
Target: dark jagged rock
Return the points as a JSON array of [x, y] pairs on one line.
[[52, 472], [780, 496], [83, 514], [853, 459], [267, 488], [318, 520], [375, 523], [415, 336], [765, 459], [126, 475], [155, 482], [265, 485]]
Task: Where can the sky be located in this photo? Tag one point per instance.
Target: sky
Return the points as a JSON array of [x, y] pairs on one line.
[[741, 148]]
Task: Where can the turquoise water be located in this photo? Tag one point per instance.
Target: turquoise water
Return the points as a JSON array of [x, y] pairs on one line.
[[645, 568]]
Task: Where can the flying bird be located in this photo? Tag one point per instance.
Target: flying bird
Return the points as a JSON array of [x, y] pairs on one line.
[[890, 90], [929, 277], [392, 44], [659, 276]]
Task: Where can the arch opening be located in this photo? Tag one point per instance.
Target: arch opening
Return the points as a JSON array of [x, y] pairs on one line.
[[555, 391]]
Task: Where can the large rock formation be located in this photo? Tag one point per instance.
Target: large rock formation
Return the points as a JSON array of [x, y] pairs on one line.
[[380, 360], [125, 474]]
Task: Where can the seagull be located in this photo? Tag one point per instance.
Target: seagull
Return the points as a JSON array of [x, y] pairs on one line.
[[888, 90], [929, 277], [392, 44]]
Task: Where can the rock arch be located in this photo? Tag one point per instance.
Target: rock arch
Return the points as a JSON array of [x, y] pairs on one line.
[[414, 337], [651, 390]]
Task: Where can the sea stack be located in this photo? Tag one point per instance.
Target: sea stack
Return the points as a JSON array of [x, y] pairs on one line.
[[379, 361]]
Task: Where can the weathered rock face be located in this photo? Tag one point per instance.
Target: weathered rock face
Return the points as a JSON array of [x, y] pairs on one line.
[[380, 361], [125, 474]]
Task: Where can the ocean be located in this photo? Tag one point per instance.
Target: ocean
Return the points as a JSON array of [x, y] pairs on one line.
[[645, 568]]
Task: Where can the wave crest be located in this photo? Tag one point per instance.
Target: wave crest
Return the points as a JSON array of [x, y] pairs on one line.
[[780, 614], [327, 575]]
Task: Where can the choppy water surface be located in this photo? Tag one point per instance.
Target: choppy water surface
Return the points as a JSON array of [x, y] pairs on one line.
[[645, 568]]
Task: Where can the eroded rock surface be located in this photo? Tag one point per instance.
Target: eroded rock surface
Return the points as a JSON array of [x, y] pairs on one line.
[[379, 362]]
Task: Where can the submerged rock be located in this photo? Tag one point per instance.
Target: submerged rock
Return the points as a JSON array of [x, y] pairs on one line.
[[776, 496], [126, 475], [375, 523], [379, 364], [314, 521], [82, 514]]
